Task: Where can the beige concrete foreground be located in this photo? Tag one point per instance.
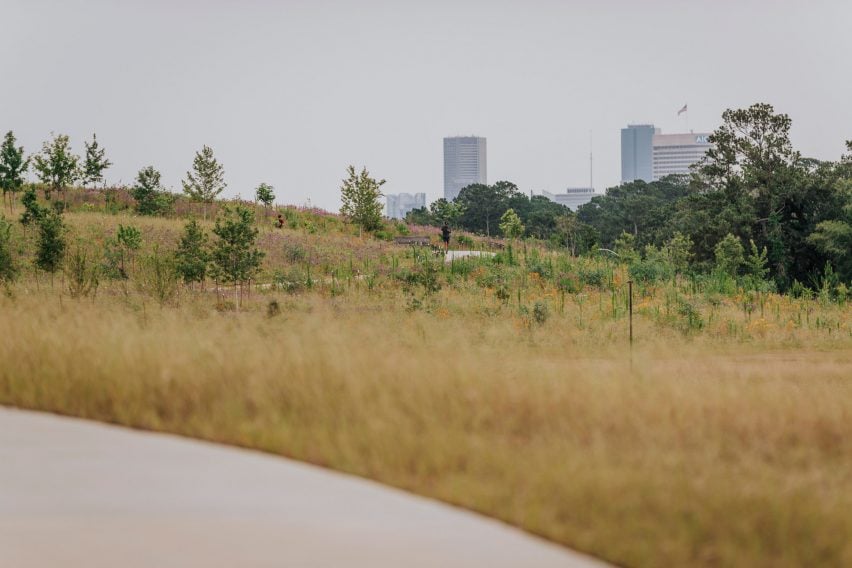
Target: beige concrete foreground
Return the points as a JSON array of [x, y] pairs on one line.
[[80, 494]]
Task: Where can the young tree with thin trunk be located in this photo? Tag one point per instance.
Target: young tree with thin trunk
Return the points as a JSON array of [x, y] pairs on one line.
[[95, 163], [207, 178], [13, 166], [265, 194], [235, 257], [192, 256], [57, 167], [51, 242], [360, 195]]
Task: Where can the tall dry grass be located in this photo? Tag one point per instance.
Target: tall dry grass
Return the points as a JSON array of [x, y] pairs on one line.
[[690, 452]]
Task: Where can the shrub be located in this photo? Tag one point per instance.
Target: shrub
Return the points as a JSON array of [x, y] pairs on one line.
[[82, 273], [159, 275], [8, 266], [120, 251], [540, 313]]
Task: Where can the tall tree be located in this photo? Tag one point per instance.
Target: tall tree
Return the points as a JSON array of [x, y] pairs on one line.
[[57, 167], [95, 163], [833, 237], [13, 166], [484, 205], [360, 195], [754, 185], [642, 209], [207, 178]]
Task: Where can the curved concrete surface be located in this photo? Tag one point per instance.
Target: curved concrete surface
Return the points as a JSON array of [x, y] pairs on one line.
[[81, 494]]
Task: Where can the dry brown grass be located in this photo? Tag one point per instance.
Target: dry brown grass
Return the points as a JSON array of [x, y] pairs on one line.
[[701, 451]]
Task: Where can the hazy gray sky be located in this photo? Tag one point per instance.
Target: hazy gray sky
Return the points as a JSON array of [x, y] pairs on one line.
[[291, 92]]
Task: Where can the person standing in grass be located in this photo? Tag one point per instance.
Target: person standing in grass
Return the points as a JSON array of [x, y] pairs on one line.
[[445, 236]]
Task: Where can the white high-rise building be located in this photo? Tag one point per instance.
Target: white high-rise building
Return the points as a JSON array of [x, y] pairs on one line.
[[464, 164], [398, 206], [675, 153]]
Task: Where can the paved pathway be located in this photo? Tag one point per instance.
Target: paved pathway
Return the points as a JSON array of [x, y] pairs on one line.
[[81, 494], [452, 255]]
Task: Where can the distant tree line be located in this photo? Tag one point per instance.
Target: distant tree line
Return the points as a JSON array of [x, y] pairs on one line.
[[752, 189]]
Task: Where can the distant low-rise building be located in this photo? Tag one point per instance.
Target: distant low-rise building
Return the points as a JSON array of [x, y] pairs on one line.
[[400, 204], [573, 196]]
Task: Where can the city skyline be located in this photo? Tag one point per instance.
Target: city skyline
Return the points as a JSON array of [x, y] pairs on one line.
[[260, 84]]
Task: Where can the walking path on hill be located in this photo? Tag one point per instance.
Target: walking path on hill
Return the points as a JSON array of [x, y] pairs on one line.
[[75, 493], [452, 255]]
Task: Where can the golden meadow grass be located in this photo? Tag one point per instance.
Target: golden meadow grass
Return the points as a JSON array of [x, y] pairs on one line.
[[727, 446]]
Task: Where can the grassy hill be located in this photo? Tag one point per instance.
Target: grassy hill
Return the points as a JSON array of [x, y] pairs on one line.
[[507, 386]]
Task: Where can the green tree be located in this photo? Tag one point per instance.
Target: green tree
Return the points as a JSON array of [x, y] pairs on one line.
[[207, 178], [234, 255], [754, 185], [572, 233], [50, 250], [95, 163], [420, 216], [833, 237], [33, 212], [678, 252], [192, 256], [120, 251], [755, 268], [729, 255], [625, 247], [57, 167], [538, 213], [265, 194], [360, 195], [512, 228], [13, 166], [151, 198], [448, 212], [644, 210], [511, 225], [8, 266], [483, 205]]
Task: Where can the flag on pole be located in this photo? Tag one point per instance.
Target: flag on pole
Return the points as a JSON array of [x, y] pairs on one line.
[[681, 111]]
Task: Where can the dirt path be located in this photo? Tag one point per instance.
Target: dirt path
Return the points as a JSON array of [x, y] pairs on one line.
[[81, 494]]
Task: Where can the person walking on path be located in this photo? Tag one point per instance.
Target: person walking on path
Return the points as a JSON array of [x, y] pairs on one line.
[[445, 236]]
